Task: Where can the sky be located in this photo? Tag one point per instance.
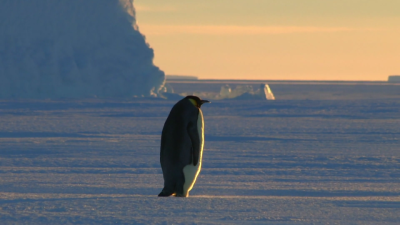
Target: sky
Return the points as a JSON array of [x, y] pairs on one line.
[[274, 39]]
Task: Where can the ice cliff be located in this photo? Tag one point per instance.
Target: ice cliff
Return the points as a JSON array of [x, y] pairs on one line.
[[394, 79], [74, 48]]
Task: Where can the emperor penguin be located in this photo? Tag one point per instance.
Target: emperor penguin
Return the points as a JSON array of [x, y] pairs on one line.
[[182, 143]]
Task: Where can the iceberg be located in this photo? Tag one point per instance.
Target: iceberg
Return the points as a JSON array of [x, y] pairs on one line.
[[394, 79], [246, 92], [74, 49]]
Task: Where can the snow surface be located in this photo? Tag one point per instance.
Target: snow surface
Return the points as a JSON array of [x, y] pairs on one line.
[[265, 162], [74, 48]]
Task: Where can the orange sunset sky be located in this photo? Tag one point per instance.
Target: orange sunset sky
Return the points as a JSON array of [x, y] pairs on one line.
[[274, 39]]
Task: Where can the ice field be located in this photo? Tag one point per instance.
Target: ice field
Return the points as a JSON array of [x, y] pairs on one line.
[[319, 154]]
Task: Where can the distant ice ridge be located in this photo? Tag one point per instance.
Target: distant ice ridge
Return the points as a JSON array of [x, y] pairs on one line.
[[74, 48], [394, 79], [245, 92], [240, 92]]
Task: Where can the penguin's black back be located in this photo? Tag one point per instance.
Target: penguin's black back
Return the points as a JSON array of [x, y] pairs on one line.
[[176, 142]]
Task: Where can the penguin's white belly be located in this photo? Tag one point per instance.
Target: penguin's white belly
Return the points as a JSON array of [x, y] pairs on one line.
[[191, 172]]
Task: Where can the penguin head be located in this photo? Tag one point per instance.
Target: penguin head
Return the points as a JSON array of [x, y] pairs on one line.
[[196, 101]]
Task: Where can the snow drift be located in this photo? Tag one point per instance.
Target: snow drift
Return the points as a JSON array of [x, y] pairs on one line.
[[74, 48]]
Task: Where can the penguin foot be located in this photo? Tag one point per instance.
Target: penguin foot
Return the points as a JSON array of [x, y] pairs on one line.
[[182, 195], [163, 194]]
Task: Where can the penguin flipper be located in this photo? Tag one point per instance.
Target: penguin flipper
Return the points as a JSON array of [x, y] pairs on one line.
[[194, 137]]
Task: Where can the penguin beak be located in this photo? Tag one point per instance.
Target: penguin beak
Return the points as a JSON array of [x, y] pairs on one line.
[[205, 101]]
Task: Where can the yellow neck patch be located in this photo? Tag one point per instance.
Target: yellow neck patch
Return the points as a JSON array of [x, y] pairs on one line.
[[193, 102]]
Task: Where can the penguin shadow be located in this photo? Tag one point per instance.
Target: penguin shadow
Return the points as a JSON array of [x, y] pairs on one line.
[[43, 135], [369, 204], [252, 193], [245, 139], [73, 190]]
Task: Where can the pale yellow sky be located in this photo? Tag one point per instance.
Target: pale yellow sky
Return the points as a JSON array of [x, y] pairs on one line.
[[270, 39]]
